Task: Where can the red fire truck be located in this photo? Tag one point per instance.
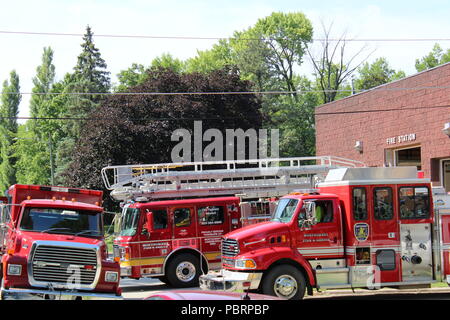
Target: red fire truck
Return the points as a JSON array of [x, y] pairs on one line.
[[51, 241], [176, 240], [363, 227]]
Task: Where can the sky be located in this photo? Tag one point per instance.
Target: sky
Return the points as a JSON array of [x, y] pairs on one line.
[[366, 20]]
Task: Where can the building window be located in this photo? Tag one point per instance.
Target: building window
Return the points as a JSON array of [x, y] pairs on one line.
[[446, 175], [408, 157], [403, 157]]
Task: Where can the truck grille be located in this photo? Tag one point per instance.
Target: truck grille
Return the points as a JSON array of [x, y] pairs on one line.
[[69, 265], [230, 247]]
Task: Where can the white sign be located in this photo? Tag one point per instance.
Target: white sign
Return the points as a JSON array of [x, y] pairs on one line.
[[401, 138]]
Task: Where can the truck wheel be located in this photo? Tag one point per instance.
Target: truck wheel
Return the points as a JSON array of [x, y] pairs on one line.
[[3, 294], [286, 282], [183, 271], [163, 279]]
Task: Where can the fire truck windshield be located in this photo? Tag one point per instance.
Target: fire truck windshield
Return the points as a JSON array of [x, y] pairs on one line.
[[60, 220], [285, 210], [130, 219]]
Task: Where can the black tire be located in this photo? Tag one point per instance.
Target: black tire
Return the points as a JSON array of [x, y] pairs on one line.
[[3, 294], [163, 279], [183, 271], [284, 281]]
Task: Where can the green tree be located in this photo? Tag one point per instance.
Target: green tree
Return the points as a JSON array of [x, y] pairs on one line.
[[34, 165], [295, 119], [130, 77], [91, 68], [375, 74], [130, 136], [436, 57], [206, 61], [88, 83], [283, 38], [9, 110], [81, 94], [167, 61]]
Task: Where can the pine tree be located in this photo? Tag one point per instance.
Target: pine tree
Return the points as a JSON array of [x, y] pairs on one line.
[[84, 89], [90, 69], [88, 82]]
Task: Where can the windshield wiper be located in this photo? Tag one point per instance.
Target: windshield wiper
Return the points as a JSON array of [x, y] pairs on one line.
[[53, 229], [86, 231]]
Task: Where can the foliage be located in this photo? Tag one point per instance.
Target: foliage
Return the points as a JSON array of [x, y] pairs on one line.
[[166, 61], [91, 68], [435, 58], [33, 164], [129, 134], [278, 43], [295, 119], [134, 75], [218, 57], [9, 110], [375, 74]]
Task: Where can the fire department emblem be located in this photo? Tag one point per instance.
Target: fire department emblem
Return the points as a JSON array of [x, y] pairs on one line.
[[361, 231]]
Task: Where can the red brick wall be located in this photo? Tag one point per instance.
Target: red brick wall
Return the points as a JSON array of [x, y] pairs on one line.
[[336, 134]]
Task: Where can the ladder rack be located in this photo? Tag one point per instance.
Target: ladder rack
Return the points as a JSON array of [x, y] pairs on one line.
[[269, 177]]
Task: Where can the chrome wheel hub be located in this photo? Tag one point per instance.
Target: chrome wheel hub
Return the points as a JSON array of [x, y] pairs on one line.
[[285, 286], [185, 271]]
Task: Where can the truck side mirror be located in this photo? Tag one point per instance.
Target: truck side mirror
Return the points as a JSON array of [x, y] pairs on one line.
[[148, 223], [310, 210], [307, 215]]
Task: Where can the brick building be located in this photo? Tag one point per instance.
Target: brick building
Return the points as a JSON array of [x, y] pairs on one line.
[[406, 122]]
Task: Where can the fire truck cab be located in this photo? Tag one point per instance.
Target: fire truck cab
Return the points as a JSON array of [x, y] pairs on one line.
[[174, 240], [52, 244], [363, 227]]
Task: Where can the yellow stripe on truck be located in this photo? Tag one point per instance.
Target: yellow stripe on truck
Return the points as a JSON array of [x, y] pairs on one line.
[[142, 262], [160, 260]]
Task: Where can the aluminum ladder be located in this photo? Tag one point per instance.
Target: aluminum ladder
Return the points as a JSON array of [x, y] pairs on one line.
[[270, 177]]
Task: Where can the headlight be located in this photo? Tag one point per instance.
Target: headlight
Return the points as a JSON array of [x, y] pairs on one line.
[[245, 264], [111, 276], [14, 269]]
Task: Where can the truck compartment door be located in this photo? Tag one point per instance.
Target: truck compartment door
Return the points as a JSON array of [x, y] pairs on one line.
[[416, 252]]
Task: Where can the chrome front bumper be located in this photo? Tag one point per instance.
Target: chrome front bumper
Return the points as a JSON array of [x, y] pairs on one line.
[[226, 280], [60, 293]]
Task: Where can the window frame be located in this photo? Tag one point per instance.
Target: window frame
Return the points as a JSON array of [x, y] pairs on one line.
[[366, 202], [414, 197], [394, 265], [376, 217], [153, 218], [207, 223], [330, 203], [190, 217]]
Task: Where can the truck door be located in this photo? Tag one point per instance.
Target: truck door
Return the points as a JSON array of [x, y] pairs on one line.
[[213, 223], [323, 239], [184, 227], [384, 231], [155, 243]]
